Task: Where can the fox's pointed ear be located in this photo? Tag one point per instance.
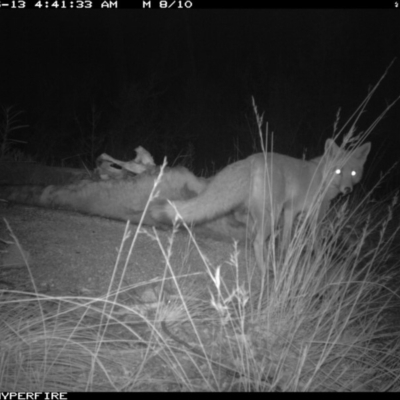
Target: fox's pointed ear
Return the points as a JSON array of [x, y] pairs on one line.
[[331, 147], [362, 152]]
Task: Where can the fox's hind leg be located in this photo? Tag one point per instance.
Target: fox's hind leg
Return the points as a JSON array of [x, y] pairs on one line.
[[288, 220], [260, 212], [259, 241]]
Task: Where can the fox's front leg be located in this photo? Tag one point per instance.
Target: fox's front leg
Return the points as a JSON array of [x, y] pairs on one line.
[[318, 228]]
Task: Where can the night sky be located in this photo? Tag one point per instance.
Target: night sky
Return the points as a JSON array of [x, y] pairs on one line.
[[180, 83]]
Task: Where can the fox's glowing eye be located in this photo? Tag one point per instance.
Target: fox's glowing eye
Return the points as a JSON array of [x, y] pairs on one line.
[[338, 171], [353, 173]]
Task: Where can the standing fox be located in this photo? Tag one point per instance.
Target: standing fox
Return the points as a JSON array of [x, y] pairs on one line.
[[267, 184]]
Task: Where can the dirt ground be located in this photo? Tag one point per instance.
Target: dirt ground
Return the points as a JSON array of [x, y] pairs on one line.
[[70, 253]]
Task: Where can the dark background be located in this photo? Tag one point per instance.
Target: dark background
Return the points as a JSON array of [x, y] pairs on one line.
[[180, 82]]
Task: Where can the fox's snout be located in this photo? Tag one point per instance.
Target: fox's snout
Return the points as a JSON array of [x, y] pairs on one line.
[[346, 190]]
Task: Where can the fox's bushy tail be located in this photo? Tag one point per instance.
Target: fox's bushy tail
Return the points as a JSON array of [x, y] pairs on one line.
[[226, 191]]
